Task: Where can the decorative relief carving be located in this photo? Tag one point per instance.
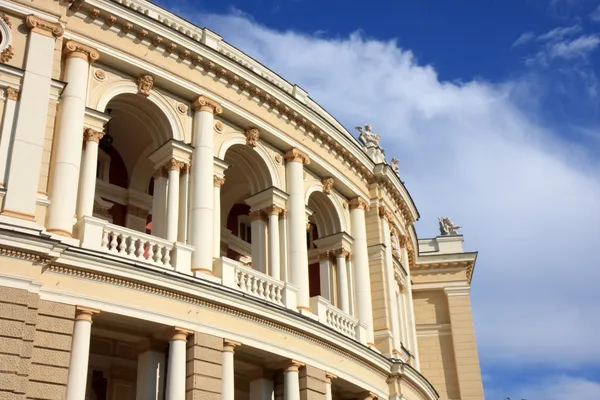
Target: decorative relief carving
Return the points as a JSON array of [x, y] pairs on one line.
[[386, 214], [342, 253], [182, 108], [110, 21], [219, 126], [283, 214], [90, 135], [157, 40], [185, 169], [324, 256], [327, 185], [94, 12], [12, 93], [142, 34], [183, 54], [278, 158], [295, 155], [360, 203], [6, 20], [7, 54], [447, 227], [395, 242], [76, 49], [258, 215], [76, 5], [203, 103], [127, 27], [171, 48], [99, 74], [218, 182], [273, 210], [145, 85], [160, 173], [44, 27], [252, 135]]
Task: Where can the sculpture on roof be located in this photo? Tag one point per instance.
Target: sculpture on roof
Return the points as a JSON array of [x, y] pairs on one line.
[[367, 137], [395, 164], [447, 227]]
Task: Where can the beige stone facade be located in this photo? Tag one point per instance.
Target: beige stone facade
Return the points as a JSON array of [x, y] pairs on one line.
[[177, 221]]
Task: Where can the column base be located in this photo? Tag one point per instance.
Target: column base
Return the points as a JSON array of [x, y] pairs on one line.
[[19, 215]]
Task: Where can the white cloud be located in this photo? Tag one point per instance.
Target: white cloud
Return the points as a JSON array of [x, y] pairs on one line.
[[576, 48], [529, 201], [559, 33], [595, 15], [561, 388], [526, 37]]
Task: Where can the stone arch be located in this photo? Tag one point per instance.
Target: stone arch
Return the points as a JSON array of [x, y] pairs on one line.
[[325, 215], [339, 210], [271, 172], [118, 88]]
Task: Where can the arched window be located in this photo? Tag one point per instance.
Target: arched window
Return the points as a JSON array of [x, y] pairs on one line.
[[5, 38]]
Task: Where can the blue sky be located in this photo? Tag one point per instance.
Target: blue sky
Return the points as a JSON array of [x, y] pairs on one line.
[[493, 109]]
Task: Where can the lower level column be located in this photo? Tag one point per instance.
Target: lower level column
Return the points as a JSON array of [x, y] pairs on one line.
[[328, 378], [177, 360], [291, 381], [228, 381], [80, 354], [150, 374]]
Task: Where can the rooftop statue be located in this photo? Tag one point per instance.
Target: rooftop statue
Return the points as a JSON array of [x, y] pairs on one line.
[[395, 164], [367, 137], [447, 227]]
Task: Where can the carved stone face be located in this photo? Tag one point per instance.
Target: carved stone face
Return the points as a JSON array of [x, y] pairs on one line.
[[368, 128], [145, 84]]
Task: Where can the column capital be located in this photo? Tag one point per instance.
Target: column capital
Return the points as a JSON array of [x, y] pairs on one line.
[[177, 333], [43, 27], [258, 215], [273, 210], [160, 173], [342, 253], [174, 165], [218, 181], [230, 345], [85, 313], [292, 366], [252, 136], [366, 396], [90, 135], [185, 169], [358, 203], [79, 50], [203, 103], [12, 93], [326, 255], [386, 214], [283, 214], [329, 377], [295, 155]]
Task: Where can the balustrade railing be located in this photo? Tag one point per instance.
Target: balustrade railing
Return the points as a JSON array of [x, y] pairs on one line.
[[336, 319], [255, 283], [100, 235]]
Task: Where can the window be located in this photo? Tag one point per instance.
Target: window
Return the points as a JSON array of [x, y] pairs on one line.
[[244, 228]]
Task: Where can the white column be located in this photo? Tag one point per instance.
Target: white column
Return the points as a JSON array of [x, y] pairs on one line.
[[150, 375], [176, 372], [386, 218], [31, 119], [173, 167], [298, 255], [66, 154], [328, 379], [201, 200], [80, 354], [362, 276], [291, 382], [87, 176], [342, 275], [182, 226], [218, 182], [283, 246], [325, 276], [8, 120], [274, 257], [262, 389], [259, 240], [159, 203], [228, 381], [410, 310]]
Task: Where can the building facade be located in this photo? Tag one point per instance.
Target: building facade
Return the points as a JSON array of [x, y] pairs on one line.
[[179, 222]]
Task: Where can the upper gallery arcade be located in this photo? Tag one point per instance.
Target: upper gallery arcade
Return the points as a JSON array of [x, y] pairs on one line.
[[140, 152]]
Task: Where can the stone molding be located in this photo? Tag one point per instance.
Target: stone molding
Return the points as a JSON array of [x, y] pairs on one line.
[[295, 155], [79, 50], [203, 103], [43, 27], [252, 136]]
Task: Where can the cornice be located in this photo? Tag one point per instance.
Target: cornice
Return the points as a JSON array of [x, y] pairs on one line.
[[189, 43], [468, 266]]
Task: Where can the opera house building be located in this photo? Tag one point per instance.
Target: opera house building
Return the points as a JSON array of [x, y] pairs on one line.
[[179, 222]]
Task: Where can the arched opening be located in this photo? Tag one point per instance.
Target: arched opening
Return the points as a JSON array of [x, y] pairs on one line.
[[247, 175], [124, 187], [323, 222]]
